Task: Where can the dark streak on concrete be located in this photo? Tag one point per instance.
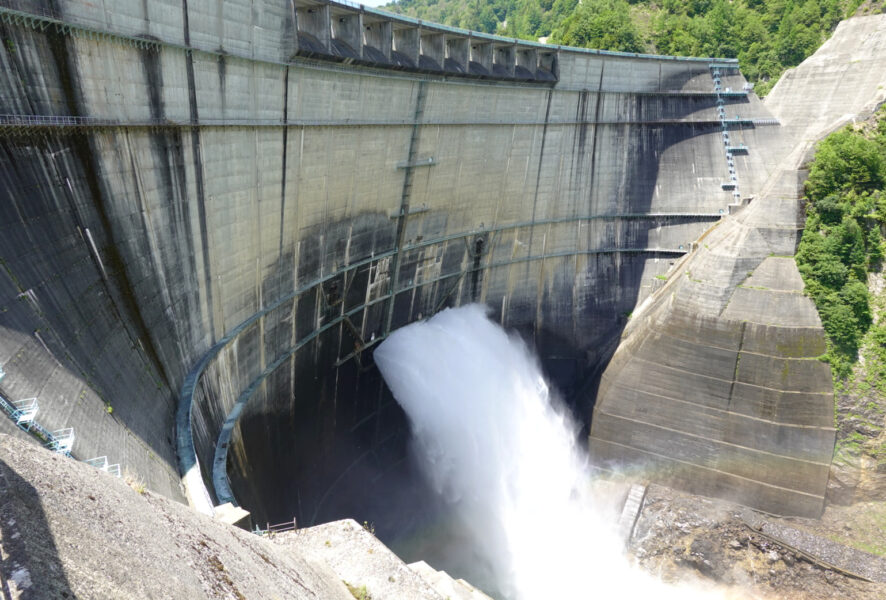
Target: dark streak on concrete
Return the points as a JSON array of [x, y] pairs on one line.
[[82, 147], [285, 146], [222, 68], [599, 95], [541, 158], [198, 172], [166, 149]]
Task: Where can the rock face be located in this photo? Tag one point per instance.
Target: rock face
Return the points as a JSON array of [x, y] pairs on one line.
[[858, 473], [678, 535], [72, 531]]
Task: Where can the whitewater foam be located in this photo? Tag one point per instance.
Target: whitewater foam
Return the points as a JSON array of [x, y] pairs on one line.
[[496, 447]]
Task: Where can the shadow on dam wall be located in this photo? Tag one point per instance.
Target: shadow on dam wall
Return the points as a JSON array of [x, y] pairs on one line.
[[322, 438], [322, 441]]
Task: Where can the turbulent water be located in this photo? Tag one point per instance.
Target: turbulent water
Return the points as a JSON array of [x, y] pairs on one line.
[[504, 459]]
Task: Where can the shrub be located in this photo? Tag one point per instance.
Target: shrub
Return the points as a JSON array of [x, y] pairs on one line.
[[842, 240]]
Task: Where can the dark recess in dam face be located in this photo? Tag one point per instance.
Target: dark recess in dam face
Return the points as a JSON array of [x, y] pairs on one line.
[[330, 442], [342, 452]]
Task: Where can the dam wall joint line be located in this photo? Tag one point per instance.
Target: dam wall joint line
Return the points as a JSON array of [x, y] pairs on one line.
[[187, 455], [24, 124]]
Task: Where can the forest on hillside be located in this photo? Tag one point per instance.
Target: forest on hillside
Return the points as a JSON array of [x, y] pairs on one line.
[[842, 245], [767, 36]]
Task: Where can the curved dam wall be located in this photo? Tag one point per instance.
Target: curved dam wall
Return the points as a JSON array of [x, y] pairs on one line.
[[198, 208]]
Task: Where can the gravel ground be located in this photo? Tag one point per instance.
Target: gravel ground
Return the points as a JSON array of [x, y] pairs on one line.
[[681, 536]]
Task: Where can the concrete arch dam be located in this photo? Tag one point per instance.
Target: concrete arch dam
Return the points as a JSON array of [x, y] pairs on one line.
[[218, 209]]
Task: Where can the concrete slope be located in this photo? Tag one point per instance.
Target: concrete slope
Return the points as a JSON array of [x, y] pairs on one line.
[[360, 559], [842, 80], [452, 589], [716, 387], [68, 530]]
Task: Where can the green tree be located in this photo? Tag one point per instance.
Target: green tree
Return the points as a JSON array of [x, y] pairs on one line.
[[846, 160], [604, 24], [842, 241]]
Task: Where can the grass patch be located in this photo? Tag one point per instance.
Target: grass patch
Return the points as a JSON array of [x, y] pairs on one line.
[[360, 593], [866, 525]]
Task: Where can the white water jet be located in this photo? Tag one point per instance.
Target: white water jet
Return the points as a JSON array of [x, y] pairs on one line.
[[497, 450]]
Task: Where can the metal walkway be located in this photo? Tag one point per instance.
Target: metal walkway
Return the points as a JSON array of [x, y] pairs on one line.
[[67, 123], [61, 441]]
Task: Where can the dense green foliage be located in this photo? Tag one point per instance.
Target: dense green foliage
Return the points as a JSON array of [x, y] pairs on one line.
[[842, 242], [603, 24], [766, 36]]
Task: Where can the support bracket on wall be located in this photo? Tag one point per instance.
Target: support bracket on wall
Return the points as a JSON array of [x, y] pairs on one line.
[[421, 162]]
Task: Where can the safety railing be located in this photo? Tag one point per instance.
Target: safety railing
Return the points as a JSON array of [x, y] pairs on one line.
[[63, 441], [63, 121], [25, 411], [101, 463], [270, 529]]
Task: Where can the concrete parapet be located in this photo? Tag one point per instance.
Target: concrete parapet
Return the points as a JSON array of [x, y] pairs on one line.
[[547, 65], [347, 34], [504, 59], [481, 57], [378, 38], [407, 44], [527, 63], [457, 54], [314, 31], [433, 51]]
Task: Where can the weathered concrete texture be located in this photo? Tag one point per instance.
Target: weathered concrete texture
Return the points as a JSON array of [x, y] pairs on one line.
[[270, 216], [716, 386], [844, 78], [359, 558], [68, 530], [453, 589], [717, 340]]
